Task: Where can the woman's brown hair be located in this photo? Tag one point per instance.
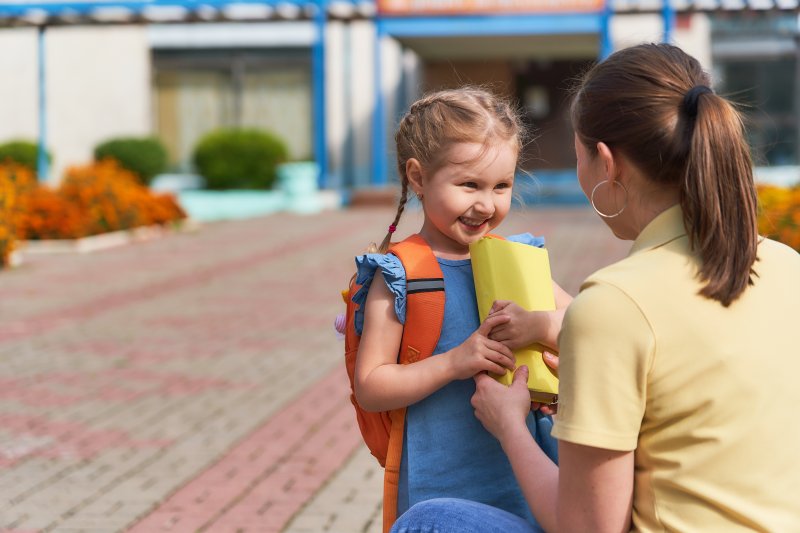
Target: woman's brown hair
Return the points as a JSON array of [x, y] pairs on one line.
[[438, 120], [652, 103]]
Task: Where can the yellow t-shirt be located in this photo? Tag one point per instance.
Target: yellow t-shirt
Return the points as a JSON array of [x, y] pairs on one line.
[[708, 397]]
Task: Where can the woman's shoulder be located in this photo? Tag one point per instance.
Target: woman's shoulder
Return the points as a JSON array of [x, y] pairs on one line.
[[780, 251]]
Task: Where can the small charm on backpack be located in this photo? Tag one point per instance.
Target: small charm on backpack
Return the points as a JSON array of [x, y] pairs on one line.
[[339, 324]]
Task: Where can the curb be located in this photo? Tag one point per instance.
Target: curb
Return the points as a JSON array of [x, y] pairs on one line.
[[105, 241]]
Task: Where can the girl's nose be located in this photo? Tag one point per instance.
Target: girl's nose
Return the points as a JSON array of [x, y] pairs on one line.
[[484, 205]]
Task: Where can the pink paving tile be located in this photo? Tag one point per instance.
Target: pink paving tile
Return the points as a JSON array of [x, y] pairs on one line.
[[47, 321], [37, 436], [275, 467]]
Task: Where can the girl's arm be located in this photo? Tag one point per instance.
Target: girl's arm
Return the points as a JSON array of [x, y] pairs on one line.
[[592, 490], [381, 384], [523, 328]]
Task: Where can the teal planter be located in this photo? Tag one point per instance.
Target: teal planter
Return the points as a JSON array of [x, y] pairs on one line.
[[209, 206], [299, 183]]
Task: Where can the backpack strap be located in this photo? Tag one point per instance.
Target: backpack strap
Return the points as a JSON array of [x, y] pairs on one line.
[[425, 300]]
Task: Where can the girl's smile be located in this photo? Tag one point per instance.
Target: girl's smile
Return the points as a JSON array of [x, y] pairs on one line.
[[466, 197]]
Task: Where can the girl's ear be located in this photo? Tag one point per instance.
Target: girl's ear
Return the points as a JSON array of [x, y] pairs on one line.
[[414, 175]]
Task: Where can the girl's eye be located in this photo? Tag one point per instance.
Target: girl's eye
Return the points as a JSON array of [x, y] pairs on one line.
[[470, 185], [502, 186]]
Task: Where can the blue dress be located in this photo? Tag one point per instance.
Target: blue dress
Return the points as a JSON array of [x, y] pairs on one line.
[[446, 450]]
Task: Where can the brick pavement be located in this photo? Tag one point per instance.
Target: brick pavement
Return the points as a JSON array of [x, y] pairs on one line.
[[194, 383]]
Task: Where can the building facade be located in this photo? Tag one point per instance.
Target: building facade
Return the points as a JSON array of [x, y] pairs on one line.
[[333, 78]]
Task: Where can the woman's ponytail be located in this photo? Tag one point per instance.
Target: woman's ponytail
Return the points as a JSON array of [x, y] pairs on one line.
[[718, 195], [683, 137]]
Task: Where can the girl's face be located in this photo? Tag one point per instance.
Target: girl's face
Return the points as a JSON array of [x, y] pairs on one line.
[[467, 197]]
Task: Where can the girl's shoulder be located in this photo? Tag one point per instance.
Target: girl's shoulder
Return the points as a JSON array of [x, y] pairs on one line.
[[527, 238], [394, 276]]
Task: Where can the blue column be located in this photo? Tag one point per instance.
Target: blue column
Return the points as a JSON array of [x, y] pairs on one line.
[[42, 164], [379, 165], [318, 90], [668, 14], [606, 46]]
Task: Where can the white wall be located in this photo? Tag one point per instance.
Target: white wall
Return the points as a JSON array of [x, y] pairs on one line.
[[18, 92], [629, 30], [335, 95], [98, 86]]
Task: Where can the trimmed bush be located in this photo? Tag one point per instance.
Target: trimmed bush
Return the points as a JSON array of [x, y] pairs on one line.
[[21, 152], [239, 158], [144, 156]]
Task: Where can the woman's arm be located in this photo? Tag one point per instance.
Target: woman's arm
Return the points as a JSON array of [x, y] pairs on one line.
[[592, 490], [381, 384]]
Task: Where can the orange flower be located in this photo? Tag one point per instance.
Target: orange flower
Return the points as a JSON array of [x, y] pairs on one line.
[[779, 214], [15, 182], [92, 199]]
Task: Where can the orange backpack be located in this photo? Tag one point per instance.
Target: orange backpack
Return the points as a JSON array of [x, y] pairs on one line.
[[383, 431]]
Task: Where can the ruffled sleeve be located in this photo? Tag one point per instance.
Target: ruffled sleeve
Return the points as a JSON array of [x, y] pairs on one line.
[[527, 238], [394, 275]]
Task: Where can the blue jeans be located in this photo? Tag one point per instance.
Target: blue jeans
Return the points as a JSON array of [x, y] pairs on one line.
[[452, 515]]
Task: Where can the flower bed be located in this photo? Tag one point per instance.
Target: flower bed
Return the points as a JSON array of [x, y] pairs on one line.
[[93, 199], [779, 214]]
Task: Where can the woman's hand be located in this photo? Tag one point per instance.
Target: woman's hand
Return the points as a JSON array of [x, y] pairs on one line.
[[550, 360], [479, 353], [502, 409]]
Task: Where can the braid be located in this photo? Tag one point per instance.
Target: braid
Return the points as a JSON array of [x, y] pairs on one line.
[[400, 208]]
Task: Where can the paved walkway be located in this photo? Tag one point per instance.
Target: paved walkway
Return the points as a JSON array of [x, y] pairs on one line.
[[194, 383]]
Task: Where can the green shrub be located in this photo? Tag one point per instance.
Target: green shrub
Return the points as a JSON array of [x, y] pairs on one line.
[[239, 158], [25, 153], [144, 156]]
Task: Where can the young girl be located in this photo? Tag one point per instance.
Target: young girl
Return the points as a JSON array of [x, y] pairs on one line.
[[457, 151]]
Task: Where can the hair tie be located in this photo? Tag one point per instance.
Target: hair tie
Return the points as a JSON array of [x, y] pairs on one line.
[[392, 228], [692, 97]]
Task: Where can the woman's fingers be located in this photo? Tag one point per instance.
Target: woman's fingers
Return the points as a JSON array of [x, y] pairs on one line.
[[550, 360]]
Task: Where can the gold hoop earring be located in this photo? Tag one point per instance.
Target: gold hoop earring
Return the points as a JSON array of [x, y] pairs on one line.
[[624, 204]]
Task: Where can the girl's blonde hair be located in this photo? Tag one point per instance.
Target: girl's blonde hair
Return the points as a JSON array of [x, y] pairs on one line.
[[438, 120]]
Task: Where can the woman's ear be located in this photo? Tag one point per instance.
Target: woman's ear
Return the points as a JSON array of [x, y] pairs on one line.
[[414, 175], [611, 163]]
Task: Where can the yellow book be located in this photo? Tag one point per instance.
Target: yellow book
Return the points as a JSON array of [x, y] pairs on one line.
[[506, 270]]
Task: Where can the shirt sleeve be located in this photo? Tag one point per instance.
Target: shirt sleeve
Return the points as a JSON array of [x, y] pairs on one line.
[[394, 275], [606, 352], [527, 238]]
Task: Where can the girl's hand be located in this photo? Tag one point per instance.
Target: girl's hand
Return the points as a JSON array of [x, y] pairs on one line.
[[522, 327], [481, 354], [550, 360], [502, 410]]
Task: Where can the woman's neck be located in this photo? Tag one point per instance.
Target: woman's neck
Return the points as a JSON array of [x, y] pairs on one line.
[[643, 207]]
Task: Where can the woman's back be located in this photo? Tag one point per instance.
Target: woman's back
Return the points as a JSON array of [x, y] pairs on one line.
[[715, 386]]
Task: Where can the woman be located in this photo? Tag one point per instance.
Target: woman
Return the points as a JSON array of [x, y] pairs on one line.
[[678, 363]]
